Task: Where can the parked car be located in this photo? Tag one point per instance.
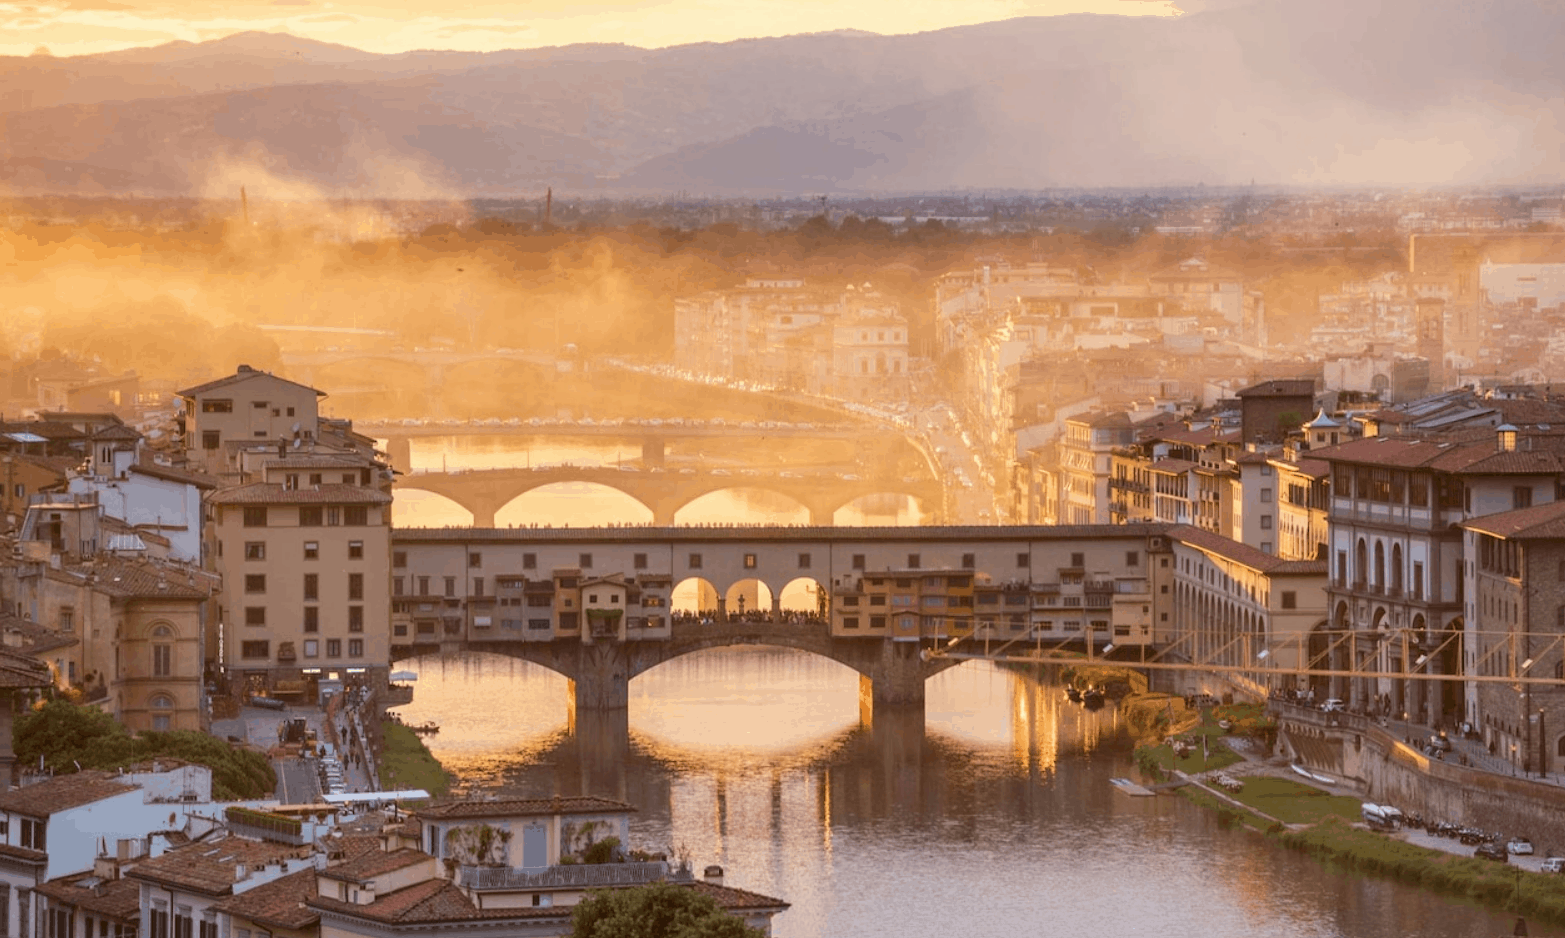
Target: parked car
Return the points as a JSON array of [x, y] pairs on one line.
[[1492, 850], [1552, 865], [1333, 706], [1519, 847]]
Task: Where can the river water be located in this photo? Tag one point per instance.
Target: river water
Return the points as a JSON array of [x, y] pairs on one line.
[[994, 815]]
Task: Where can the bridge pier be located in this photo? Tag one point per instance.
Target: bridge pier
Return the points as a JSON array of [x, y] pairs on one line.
[[600, 681], [483, 516], [594, 755], [652, 452], [895, 684]]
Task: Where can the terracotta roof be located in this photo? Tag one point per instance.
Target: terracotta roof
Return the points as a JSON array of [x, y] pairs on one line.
[[434, 900], [117, 431], [1283, 387], [198, 479], [279, 903], [115, 898], [1202, 437], [62, 793], [369, 864], [1479, 457], [585, 804], [319, 461], [273, 493], [36, 637], [1251, 557], [733, 900], [1174, 465], [1539, 522], [129, 579], [211, 867], [244, 373], [20, 669]]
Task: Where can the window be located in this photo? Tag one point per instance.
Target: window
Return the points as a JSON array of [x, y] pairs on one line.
[[333, 516], [1132, 558], [312, 586], [850, 622], [312, 648], [255, 550], [159, 920], [217, 407], [255, 615], [749, 561], [310, 516], [315, 478], [1290, 599], [639, 561], [356, 586], [1078, 559], [67, 618], [694, 562], [255, 582], [355, 550], [334, 648], [312, 550], [399, 558], [183, 923], [450, 586], [1521, 496], [255, 517], [312, 618], [913, 561], [162, 660], [355, 516], [254, 650], [529, 561], [585, 561], [211, 439], [478, 586], [423, 586], [1266, 522], [969, 561]]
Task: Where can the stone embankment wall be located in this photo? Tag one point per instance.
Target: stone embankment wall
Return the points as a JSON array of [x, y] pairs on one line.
[[1386, 769]]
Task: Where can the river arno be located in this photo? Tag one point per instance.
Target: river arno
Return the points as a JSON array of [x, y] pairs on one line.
[[996, 817]]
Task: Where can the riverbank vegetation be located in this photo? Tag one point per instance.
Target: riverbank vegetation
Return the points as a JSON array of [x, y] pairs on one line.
[[1305, 818], [406, 763]]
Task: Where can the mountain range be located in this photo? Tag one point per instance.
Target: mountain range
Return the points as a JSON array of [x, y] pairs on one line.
[[1334, 92]]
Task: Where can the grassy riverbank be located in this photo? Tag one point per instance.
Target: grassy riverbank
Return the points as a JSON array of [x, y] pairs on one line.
[[1304, 818], [405, 762]]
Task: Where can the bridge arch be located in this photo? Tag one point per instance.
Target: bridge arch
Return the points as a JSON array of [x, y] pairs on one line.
[[412, 502], [601, 500], [788, 508]]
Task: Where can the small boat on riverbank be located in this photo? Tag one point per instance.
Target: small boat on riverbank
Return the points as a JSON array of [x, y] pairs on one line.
[[1074, 694], [1312, 776], [426, 729]]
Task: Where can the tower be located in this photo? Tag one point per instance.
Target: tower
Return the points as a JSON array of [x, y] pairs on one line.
[[1431, 338]]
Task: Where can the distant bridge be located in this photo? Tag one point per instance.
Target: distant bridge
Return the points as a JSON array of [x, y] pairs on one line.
[[483, 492]]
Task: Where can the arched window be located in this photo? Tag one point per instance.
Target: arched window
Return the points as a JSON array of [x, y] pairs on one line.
[[1380, 565], [1360, 565], [162, 652], [1396, 568]]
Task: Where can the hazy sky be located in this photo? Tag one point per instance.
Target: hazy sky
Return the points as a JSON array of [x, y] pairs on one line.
[[79, 27]]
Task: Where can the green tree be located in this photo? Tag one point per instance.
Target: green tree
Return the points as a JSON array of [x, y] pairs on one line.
[[662, 910], [66, 736]]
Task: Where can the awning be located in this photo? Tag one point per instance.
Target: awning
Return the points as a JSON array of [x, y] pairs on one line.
[[400, 676]]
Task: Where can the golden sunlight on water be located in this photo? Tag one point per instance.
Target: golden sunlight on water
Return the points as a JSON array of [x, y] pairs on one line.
[[991, 814]]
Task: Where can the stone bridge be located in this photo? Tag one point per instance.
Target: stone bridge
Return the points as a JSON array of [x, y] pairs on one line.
[[485, 491], [891, 673]]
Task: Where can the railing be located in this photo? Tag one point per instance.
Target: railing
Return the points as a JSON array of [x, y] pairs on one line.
[[574, 876]]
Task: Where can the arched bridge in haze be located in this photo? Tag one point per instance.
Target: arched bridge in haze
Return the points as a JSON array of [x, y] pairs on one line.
[[483, 492]]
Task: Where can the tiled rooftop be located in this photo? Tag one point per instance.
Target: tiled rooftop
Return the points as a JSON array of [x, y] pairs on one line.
[[522, 807], [273, 493], [62, 793], [212, 867], [279, 903]]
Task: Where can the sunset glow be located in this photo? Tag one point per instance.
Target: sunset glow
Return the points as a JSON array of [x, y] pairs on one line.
[[84, 27]]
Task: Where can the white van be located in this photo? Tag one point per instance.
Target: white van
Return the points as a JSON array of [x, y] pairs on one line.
[[1552, 865]]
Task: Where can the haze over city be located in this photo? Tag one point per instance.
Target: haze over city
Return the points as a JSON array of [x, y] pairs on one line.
[[782, 468]]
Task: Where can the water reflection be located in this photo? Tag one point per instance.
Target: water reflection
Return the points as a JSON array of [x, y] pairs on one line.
[[994, 815]]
